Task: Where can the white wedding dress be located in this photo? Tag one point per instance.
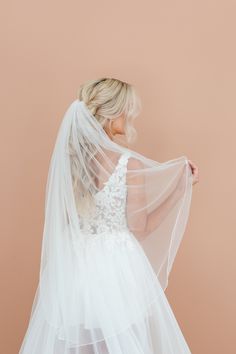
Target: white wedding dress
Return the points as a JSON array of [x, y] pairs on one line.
[[120, 306]]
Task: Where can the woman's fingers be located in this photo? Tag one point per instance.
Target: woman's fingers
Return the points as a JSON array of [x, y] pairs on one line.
[[195, 171]]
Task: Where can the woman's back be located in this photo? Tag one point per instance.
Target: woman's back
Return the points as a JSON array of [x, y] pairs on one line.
[[109, 215]]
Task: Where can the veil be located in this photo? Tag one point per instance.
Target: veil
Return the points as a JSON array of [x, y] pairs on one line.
[[158, 204]]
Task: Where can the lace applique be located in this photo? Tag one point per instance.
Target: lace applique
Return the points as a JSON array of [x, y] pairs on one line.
[[108, 222]]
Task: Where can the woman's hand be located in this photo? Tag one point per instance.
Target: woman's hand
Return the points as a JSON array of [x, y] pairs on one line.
[[195, 172]]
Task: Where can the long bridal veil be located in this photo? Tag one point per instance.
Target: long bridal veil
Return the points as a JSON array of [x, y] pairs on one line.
[[158, 204]]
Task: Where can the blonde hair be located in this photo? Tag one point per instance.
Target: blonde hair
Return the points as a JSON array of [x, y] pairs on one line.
[[106, 99]]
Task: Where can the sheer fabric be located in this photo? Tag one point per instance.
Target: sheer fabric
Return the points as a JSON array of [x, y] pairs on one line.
[[103, 273]]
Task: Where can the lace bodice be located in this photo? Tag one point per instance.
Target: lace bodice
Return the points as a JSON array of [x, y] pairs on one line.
[[109, 215]]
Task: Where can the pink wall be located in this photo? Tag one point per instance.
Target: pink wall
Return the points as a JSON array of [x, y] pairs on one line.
[[181, 56]]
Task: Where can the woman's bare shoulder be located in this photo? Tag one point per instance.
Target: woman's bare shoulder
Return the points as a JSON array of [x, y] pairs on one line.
[[135, 175]]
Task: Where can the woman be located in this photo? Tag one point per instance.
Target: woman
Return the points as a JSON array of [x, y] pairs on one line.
[[114, 220]]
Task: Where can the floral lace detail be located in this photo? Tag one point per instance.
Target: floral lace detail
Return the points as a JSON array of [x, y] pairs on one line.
[[108, 221]]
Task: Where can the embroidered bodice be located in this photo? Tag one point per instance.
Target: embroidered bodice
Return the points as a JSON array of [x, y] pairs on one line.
[[109, 215]]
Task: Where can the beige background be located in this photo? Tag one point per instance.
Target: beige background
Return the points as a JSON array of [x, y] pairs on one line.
[[181, 56]]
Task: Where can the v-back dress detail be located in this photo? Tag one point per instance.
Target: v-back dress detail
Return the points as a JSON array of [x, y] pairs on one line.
[[108, 222], [116, 304]]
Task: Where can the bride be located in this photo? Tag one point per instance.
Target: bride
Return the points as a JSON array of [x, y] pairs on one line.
[[114, 220]]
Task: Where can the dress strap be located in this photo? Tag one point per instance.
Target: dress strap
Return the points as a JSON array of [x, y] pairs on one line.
[[124, 158], [122, 165]]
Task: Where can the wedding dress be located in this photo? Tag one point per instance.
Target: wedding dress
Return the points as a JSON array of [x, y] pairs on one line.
[[102, 292]]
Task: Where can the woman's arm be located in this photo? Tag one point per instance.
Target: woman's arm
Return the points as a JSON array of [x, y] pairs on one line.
[[143, 223]]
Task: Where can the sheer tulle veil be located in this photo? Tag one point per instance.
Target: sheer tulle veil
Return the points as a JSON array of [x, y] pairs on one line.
[[158, 204]]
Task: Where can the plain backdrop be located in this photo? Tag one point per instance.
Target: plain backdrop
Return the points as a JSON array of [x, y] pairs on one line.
[[180, 56]]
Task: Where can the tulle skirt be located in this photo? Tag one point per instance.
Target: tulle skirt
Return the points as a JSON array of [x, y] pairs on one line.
[[113, 304]]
